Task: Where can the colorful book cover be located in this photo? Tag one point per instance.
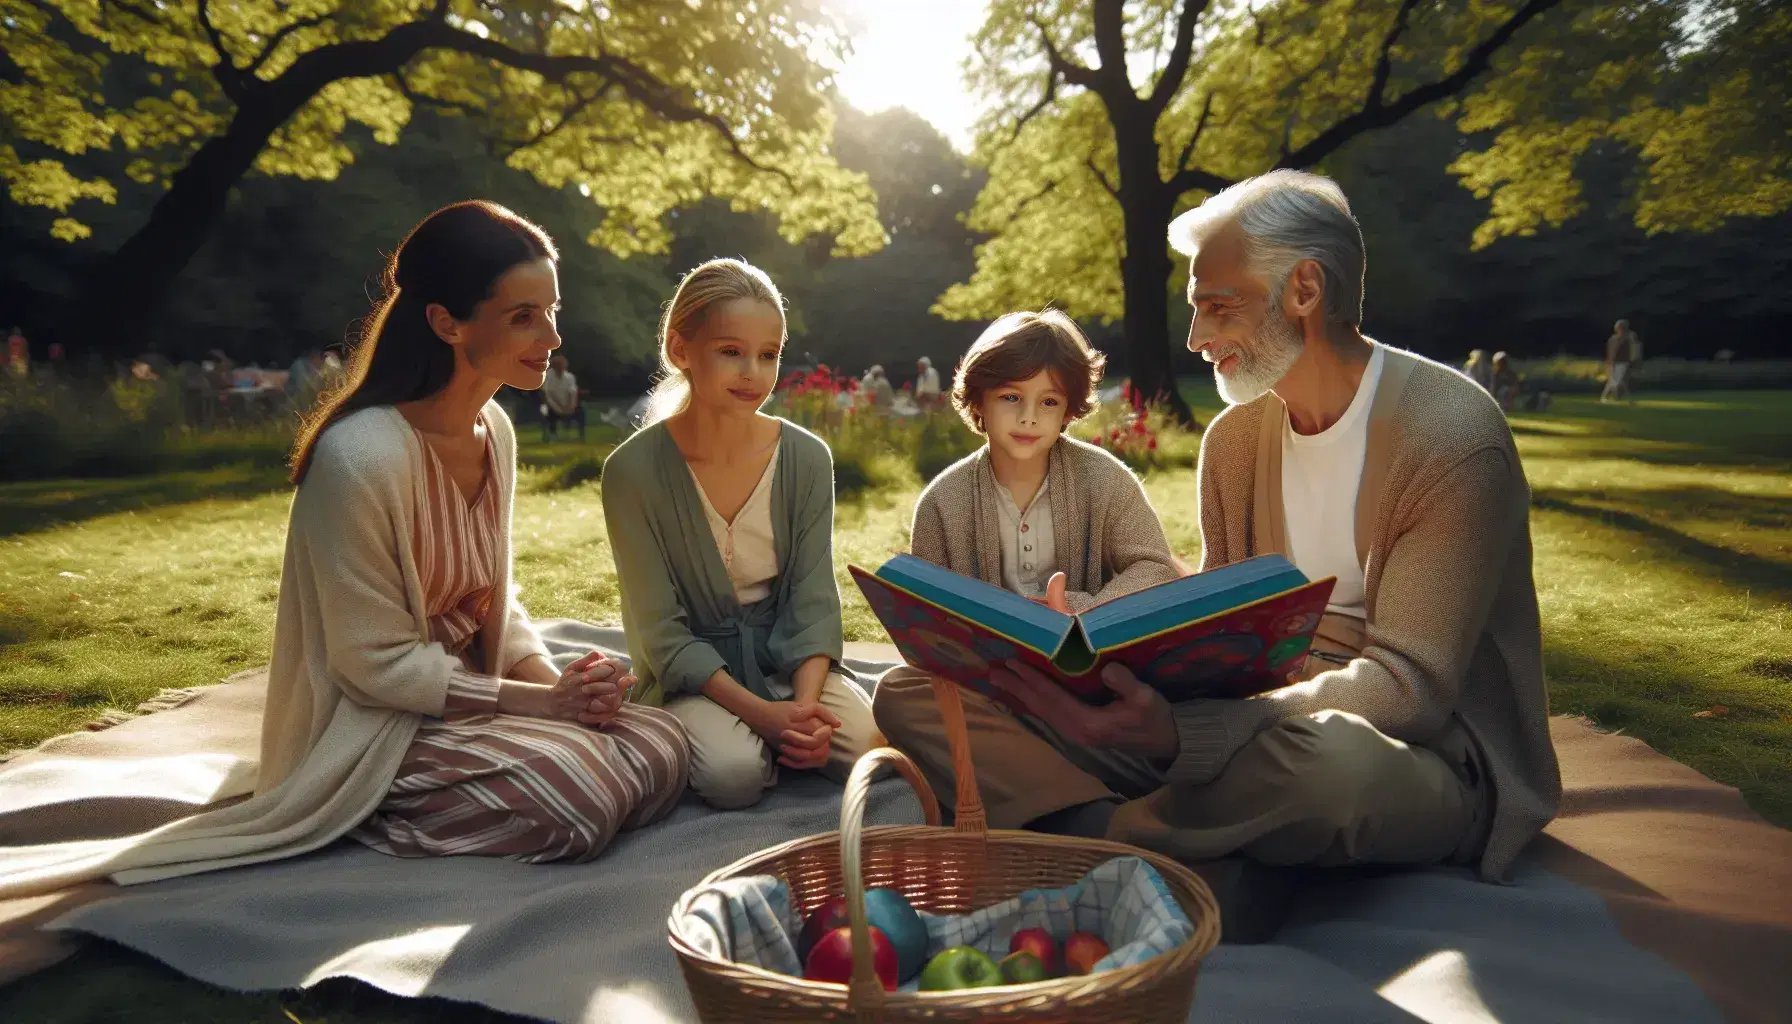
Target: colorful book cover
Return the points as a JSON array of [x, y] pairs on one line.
[[1229, 632]]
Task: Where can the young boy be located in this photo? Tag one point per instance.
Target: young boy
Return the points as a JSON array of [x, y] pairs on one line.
[[1034, 511]]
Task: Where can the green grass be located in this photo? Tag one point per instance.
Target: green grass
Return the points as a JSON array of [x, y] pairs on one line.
[[1663, 536]]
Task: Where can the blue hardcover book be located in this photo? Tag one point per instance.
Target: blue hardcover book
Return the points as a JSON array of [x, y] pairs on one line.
[[1228, 632]]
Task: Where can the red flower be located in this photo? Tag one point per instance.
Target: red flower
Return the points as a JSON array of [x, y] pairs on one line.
[[1151, 445]]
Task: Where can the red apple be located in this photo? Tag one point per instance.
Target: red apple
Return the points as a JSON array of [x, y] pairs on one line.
[[1081, 951], [831, 959], [822, 920], [1040, 943]]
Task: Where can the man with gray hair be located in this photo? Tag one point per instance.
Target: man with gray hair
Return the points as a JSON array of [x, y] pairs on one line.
[[1417, 731]]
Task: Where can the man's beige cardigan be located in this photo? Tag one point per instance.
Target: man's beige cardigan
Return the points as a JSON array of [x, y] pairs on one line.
[[353, 669], [1443, 532], [1109, 541]]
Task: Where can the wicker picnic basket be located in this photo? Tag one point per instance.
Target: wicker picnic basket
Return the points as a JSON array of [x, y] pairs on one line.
[[944, 870]]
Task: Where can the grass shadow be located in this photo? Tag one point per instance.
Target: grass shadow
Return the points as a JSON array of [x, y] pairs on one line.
[[39, 504], [1694, 429], [1734, 568], [1653, 698], [31, 505]]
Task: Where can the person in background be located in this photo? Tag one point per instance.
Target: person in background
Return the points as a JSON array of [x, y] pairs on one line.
[[927, 384], [304, 379], [560, 401], [1622, 351], [18, 354], [876, 388], [721, 521], [1479, 370], [1506, 382]]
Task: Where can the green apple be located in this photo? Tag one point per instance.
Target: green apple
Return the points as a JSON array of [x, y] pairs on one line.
[[960, 967], [1022, 967]]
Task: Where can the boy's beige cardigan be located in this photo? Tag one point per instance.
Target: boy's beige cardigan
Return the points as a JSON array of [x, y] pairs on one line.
[[1443, 532], [1109, 541], [353, 670]]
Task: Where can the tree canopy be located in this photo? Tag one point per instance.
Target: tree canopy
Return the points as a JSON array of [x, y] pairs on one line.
[[644, 107], [1698, 91], [1110, 117]]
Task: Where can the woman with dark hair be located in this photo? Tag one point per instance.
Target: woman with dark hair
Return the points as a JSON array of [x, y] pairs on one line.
[[410, 703]]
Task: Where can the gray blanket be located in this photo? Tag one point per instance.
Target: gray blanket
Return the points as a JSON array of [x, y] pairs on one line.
[[587, 943]]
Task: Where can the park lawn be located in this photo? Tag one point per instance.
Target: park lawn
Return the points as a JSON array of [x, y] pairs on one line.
[[1663, 536]]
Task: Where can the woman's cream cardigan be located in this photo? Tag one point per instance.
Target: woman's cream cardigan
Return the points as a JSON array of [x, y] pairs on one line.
[[353, 670]]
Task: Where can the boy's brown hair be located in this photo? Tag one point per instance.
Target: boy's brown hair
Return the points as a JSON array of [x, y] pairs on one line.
[[1016, 347]]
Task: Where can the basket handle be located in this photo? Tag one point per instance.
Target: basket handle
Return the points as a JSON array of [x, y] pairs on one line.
[[968, 815], [865, 993]]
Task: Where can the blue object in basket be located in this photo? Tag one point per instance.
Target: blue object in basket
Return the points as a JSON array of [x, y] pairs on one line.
[[887, 911]]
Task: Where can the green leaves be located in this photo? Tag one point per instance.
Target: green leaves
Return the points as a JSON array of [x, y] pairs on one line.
[[648, 108], [1699, 93]]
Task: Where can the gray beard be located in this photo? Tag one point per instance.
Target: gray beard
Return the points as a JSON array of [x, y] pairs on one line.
[[1275, 347]]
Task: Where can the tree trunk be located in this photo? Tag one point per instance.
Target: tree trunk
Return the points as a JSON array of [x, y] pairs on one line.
[[127, 291], [1145, 280], [1145, 203]]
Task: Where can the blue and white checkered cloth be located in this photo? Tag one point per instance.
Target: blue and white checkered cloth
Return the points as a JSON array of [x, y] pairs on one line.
[[1123, 900]]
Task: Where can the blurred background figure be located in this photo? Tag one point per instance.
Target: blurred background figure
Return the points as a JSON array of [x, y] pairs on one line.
[[1479, 369], [1623, 351], [305, 380], [877, 390], [927, 384], [1506, 382], [18, 353], [560, 401]]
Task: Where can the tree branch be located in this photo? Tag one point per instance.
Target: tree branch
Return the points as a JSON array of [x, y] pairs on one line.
[[1188, 148], [640, 84], [388, 54], [425, 100], [230, 79], [280, 36], [1074, 73], [1382, 114], [1050, 187], [1110, 43], [1384, 64], [1180, 53], [1051, 93], [567, 116], [1089, 162], [1190, 178]]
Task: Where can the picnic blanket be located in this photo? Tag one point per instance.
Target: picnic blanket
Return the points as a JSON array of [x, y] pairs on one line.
[[1657, 896]]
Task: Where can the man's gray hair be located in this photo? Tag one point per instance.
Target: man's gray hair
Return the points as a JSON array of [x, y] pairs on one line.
[[1287, 216]]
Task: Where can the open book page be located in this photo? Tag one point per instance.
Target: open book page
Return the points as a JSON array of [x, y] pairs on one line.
[[964, 629]]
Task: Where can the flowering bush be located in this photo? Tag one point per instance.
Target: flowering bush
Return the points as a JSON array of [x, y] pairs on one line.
[[1142, 434], [872, 447]]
